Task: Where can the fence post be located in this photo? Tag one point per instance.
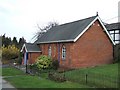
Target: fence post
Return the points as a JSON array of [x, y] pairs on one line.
[[86, 76]]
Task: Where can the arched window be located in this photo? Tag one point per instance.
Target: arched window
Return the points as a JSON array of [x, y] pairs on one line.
[[49, 51], [63, 53]]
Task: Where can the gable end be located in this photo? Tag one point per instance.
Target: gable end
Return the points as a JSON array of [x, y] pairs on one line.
[[97, 18]]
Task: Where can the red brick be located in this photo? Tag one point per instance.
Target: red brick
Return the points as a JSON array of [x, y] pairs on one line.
[[91, 49], [32, 56]]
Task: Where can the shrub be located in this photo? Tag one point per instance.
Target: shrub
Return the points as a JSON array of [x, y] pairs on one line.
[[10, 52], [43, 62], [33, 69], [56, 76], [55, 64], [33, 66], [19, 60]]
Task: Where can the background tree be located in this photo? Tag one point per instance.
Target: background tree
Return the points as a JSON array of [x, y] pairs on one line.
[[6, 41], [14, 42], [10, 50], [44, 29], [21, 42]]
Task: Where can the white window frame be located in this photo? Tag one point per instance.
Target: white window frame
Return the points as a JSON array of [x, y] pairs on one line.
[[49, 50], [63, 53]]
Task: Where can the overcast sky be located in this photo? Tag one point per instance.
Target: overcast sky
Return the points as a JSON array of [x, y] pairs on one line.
[[20, 17]]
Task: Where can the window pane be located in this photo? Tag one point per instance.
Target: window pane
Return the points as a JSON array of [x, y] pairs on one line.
[[117, 37], [63, 53], [111, 31], [49, 51], [117, 31]]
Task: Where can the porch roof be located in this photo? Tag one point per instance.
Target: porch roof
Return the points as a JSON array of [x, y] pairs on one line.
[[30, 47]]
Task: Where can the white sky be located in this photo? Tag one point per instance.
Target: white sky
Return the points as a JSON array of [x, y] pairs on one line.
[[20, 17]]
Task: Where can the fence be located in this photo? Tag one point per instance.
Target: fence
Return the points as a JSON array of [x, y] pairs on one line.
[[96, 80], [93, 79]]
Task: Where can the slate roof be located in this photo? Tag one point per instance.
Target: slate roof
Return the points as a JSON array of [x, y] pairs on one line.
[[65, 32], [113, 26], [30, 47]]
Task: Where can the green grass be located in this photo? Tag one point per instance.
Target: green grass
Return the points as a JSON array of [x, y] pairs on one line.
[[36, 82], [10, 71], [76, 78], [111, 70], [101, 76], [27, 81]]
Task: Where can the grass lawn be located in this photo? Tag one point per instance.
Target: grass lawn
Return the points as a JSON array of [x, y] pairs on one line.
[[101, 76], [27, 81], [37, 82], [11, 72], [111, 70]]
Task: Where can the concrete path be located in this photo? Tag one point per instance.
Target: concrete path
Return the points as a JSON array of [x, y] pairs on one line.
[[5, 84]]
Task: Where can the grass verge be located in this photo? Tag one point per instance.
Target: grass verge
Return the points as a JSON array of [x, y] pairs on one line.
[[27, 81], [101, 76], [11, 71]]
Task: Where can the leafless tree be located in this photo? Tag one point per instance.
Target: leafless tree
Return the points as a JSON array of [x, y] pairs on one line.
[[44, 29]]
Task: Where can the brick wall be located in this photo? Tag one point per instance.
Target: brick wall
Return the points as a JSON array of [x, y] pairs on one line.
[[91, 49], [57, 51], [32, 56]]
